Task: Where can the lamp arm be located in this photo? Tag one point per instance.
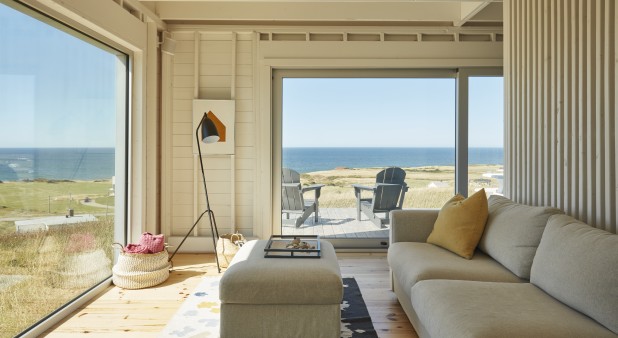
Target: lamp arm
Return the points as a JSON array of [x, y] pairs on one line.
[[199, 151]]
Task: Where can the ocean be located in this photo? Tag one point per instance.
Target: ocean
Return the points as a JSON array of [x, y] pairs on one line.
[[80, 164], [88, 164], [306, 160]]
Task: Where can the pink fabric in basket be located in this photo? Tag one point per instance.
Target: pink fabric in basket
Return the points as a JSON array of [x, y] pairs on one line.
[[154, 243], [136, 248], [148, 244]]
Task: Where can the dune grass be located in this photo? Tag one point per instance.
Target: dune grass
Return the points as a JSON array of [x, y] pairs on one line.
[[36, 262]]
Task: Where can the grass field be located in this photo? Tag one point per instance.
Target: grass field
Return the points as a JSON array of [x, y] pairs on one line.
[[338, 192], [23, 200]]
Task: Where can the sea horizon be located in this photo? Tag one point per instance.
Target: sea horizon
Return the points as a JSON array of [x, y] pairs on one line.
[[57, 163], [310, 159]]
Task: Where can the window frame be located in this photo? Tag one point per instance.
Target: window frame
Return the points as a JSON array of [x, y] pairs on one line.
[[461, 76], [122, 156], [462, 120]]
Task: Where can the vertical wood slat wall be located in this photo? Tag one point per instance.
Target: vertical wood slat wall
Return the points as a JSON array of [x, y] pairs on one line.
[[213, 66], [561, 107]]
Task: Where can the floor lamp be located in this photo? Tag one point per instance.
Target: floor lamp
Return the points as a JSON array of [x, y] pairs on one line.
[[209, 135]]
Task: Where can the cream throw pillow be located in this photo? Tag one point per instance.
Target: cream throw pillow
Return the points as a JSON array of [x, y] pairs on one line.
[[460, 224]]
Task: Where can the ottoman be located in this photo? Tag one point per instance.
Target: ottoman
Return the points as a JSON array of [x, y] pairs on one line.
[[281, 297]]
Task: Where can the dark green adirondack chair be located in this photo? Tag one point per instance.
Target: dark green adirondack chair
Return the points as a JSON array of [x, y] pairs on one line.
[[292, 199], [386, 195]]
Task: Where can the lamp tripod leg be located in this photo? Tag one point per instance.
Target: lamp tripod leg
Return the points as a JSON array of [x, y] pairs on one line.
[[213, 229], [187, 235], [215, 235]]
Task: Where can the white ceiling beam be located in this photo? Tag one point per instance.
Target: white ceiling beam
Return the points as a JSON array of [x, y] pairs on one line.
[[150, 15], [468, 10], [310, 11], [493, 12]]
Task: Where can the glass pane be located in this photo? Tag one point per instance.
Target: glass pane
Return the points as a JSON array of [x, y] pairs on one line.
[[59, 104], [486, 134], [343, 131]]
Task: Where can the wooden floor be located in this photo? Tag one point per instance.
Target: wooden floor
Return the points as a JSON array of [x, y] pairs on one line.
[[144, 313], [334, 223]]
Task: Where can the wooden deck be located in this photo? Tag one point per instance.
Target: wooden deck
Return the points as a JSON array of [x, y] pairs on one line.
[[334, 223], [144, 313]]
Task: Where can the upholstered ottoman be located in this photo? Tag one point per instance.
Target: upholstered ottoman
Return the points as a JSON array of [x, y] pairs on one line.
[[281, 297]]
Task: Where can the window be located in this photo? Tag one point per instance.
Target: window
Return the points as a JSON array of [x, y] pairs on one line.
[[486, 134], [63, 99], [340, 127]]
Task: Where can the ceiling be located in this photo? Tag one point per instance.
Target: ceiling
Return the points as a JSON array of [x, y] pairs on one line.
[[438, 13]]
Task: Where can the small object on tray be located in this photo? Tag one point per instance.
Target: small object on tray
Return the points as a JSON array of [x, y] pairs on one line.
[[293, 246]]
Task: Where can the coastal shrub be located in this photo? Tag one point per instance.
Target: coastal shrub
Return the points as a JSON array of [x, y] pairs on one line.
[[424, 170]]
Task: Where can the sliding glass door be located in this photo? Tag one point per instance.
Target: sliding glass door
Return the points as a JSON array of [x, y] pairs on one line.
[[339, 130], [336, 130]]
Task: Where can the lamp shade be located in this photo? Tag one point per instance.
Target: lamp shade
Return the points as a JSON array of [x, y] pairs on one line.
[[209, 131]]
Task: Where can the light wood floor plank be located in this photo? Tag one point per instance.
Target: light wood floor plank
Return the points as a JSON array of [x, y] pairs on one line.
[[144, 313]]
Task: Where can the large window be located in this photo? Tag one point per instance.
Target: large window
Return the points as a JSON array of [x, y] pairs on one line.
[[343, 131], [63, 99], [339, 128]]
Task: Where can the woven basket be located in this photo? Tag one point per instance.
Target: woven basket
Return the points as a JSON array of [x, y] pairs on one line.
[[227, 247], [137, 271]]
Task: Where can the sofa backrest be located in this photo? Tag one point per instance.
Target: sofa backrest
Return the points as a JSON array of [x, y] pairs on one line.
[[513, 232], [578, 265]]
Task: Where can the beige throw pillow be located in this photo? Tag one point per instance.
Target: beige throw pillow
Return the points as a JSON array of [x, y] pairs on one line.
[[460, 224]]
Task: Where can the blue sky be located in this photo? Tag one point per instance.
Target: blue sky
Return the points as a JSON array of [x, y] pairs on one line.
[[59, 91], [341, 112], [55, 89]]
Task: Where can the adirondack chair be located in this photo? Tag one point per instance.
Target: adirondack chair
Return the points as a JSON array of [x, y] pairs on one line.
[[292, 199], [386, 195]]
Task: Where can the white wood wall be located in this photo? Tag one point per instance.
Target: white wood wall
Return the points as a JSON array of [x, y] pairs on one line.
[[560, 79], [222, 69]]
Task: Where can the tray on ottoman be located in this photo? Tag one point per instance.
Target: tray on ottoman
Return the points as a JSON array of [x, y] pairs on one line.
[[293, 246]]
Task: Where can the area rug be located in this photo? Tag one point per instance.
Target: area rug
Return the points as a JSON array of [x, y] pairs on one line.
[[198, 315]]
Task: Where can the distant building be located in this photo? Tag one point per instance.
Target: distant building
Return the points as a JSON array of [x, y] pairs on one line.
[[44, 223]]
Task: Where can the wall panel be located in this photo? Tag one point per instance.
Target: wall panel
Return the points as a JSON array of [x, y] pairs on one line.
[[561, 106]]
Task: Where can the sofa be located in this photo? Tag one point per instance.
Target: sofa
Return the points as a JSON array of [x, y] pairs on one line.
[[535, 273]]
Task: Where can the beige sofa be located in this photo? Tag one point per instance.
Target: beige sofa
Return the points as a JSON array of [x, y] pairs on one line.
[[536, 273]]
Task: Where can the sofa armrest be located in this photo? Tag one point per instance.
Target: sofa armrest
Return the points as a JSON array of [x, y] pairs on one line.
[[412, 225]]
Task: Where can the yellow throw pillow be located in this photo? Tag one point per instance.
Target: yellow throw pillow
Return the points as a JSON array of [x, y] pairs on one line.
[[460, 224]]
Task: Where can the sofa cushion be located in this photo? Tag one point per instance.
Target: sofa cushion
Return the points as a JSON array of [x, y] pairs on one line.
[[513, 232], [412, 262], [460, 224], [449, 308], [578, 265]]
